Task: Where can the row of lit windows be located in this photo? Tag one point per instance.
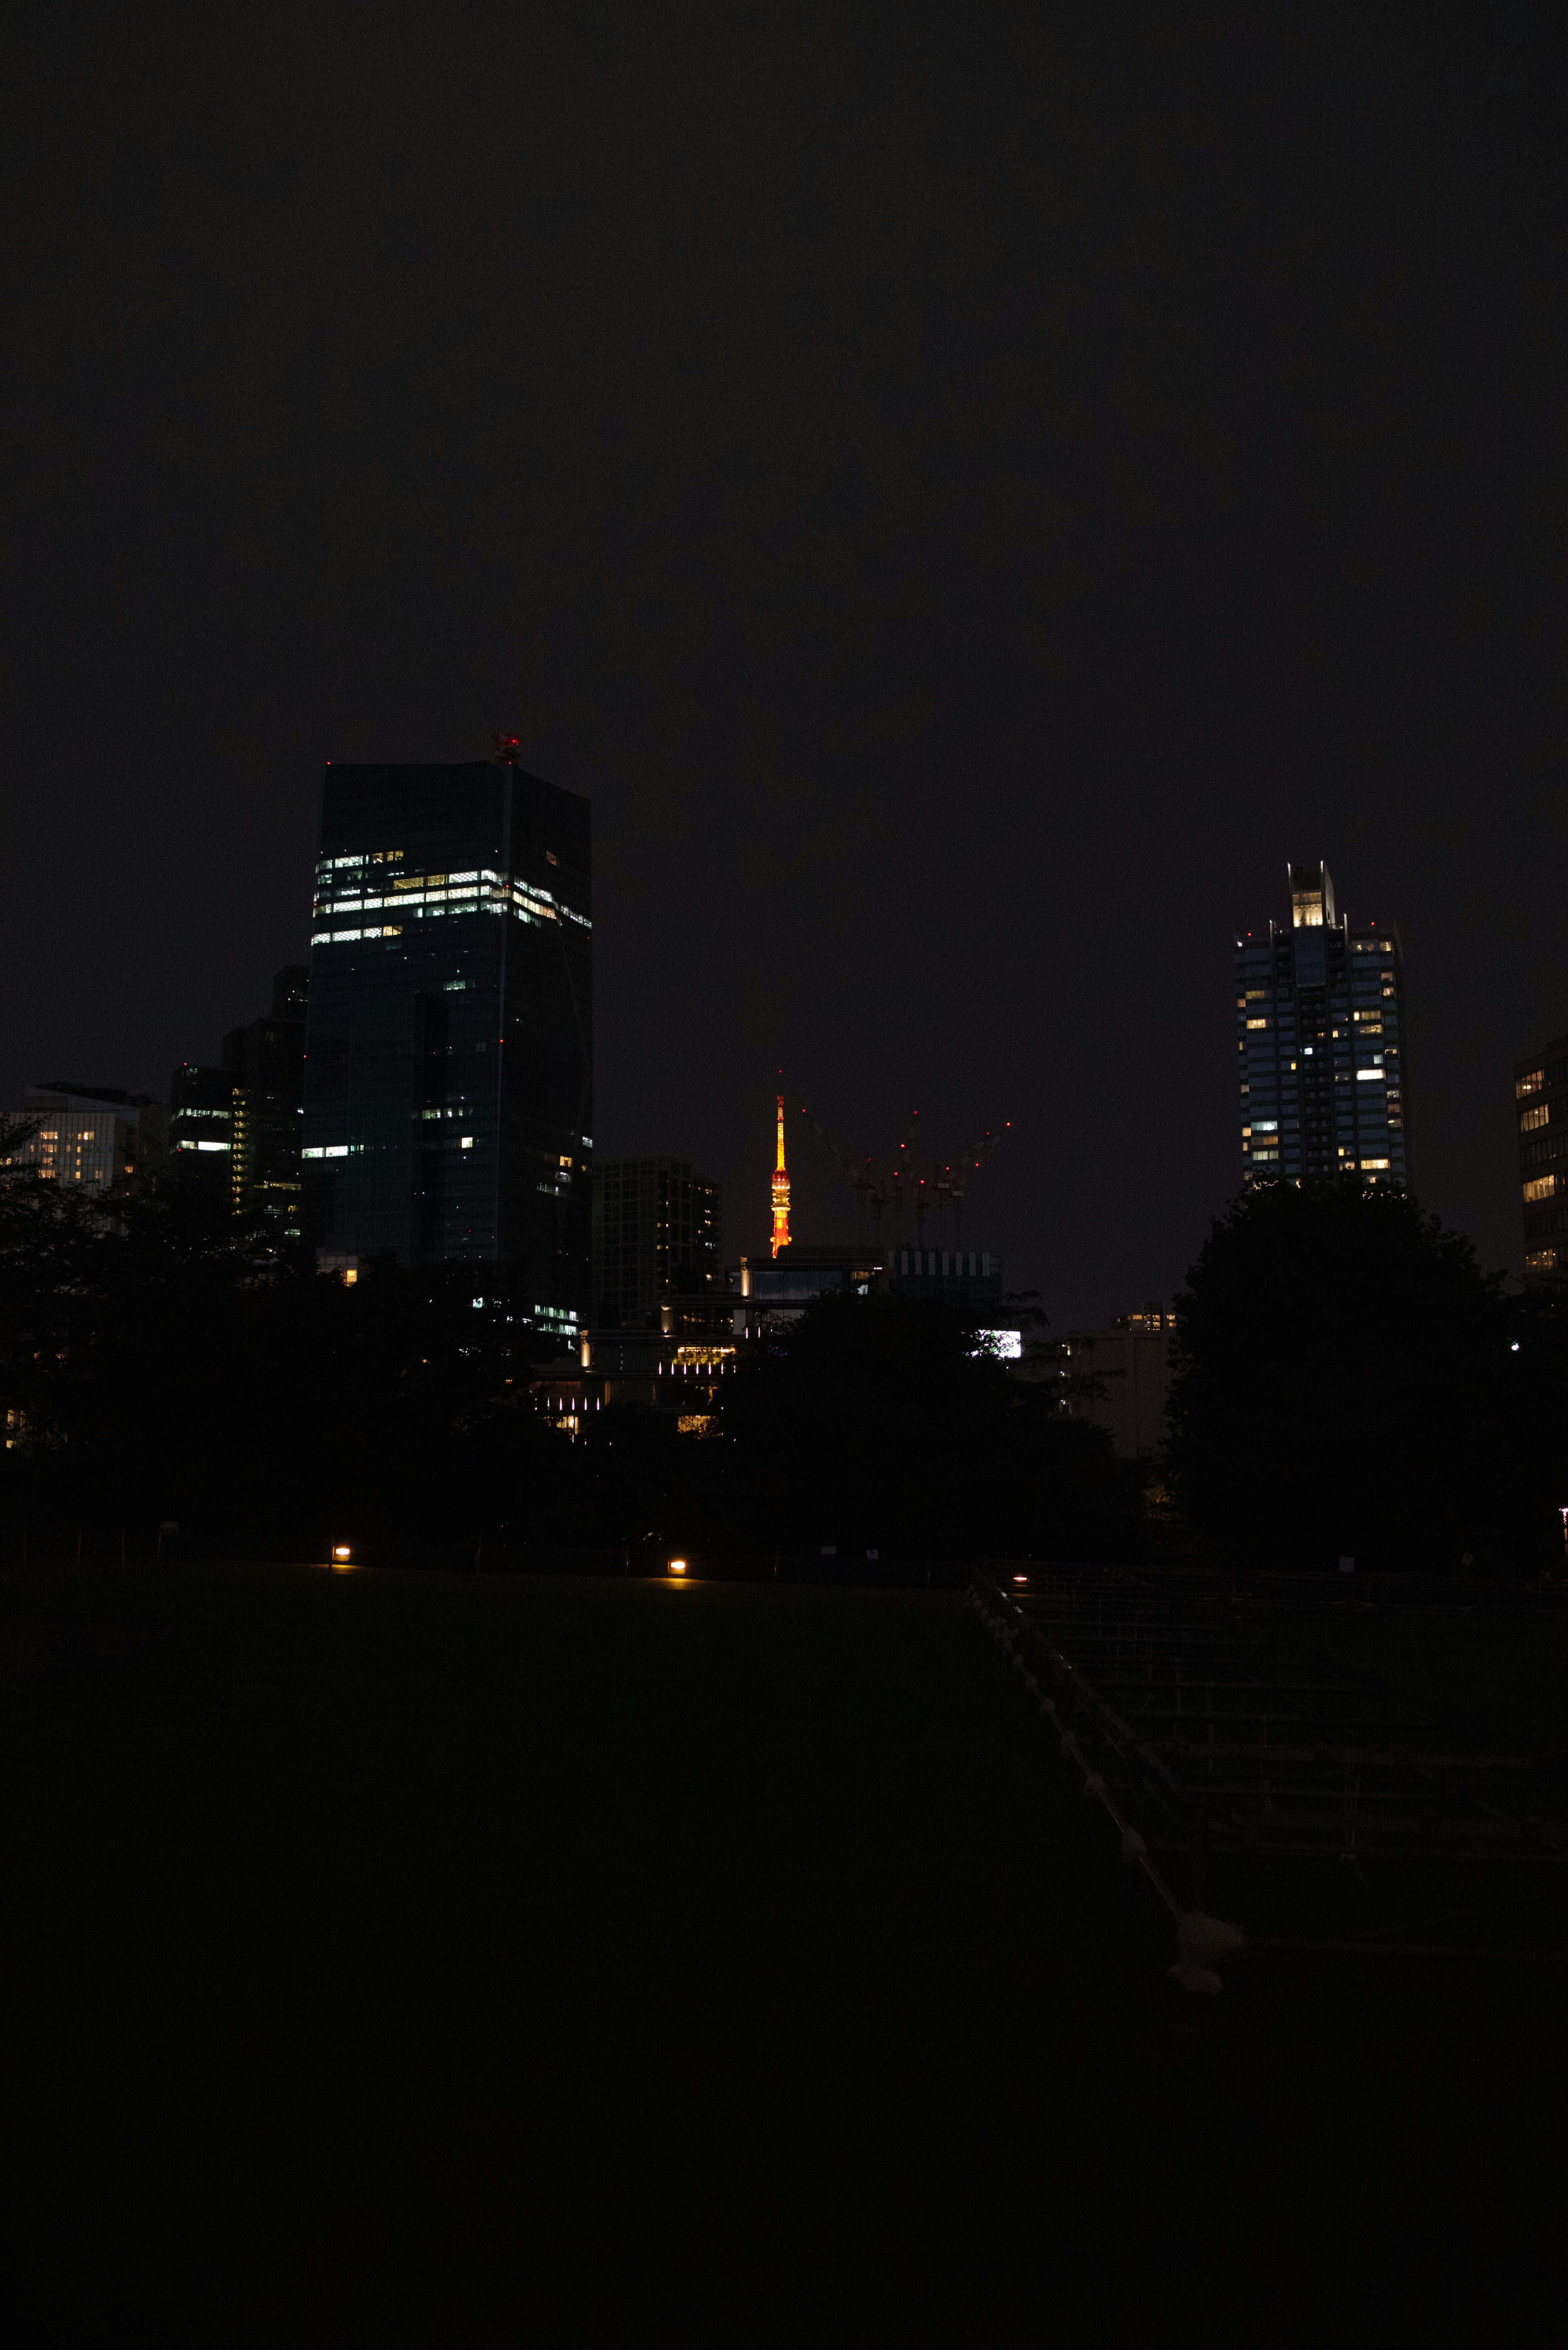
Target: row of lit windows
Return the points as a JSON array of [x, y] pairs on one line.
[[520, 909], [414, 888], [1546, 1079], [1271, 1149]]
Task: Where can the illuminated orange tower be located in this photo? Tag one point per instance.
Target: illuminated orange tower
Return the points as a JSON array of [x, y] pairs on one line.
[[781, 1192]]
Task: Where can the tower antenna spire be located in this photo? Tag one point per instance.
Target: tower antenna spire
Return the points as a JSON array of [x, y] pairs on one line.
[[781, 1192]]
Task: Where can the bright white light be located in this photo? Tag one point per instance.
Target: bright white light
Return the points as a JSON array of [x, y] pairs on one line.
[[1008, 1344]]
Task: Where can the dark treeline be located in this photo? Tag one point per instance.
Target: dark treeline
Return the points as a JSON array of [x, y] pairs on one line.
[[1349, 1383], [157, 1367]]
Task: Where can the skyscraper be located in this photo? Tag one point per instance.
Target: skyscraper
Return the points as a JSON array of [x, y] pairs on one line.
[[656, 1231], [449, 1049], [1320, 1043]]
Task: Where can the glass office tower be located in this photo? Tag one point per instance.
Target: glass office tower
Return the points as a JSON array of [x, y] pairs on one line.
[[449, 1045], [1320, 1043]]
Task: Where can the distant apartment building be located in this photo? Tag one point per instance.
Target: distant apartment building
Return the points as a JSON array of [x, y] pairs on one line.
[[91, 1137], [1540, 1109], [657, 1231], [1320, 1043]]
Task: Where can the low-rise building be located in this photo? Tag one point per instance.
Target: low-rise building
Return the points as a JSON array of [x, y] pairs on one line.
[[1120, 1379], [92, 1137], [778, 1289]]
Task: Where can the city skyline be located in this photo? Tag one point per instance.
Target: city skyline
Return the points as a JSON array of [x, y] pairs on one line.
[[1264, 1143], [959, 566]]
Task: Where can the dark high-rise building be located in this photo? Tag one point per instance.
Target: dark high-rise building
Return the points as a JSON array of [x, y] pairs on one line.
[[201, 1134], [448, 1050], [1541, 1100], [656, 1233], [235, 1130], [266, 1061], [1320, 1043]]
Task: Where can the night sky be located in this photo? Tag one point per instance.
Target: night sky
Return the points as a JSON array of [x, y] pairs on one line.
[[967, 492]]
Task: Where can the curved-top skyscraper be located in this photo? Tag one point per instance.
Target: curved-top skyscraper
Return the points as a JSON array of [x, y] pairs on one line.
[[1319, 1042]]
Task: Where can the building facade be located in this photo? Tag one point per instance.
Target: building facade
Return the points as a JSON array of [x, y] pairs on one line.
[[1320, 1043], [92, 1137], [1540, 1114], [657, 1231], [449, 1044]]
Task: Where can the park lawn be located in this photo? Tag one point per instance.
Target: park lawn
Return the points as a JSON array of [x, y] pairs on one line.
[[409, 1959]]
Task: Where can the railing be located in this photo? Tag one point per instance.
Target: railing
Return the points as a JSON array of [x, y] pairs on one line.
[[1228, 1751]]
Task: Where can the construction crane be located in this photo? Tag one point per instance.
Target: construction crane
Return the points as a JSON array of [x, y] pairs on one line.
[[872, 1191], [954, 1180], [904, 1189]]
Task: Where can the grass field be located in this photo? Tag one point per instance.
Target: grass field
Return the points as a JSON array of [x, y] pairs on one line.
[[405, 1959]]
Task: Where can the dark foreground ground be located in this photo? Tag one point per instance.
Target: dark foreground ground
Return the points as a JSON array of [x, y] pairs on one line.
[[429, 1960]]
